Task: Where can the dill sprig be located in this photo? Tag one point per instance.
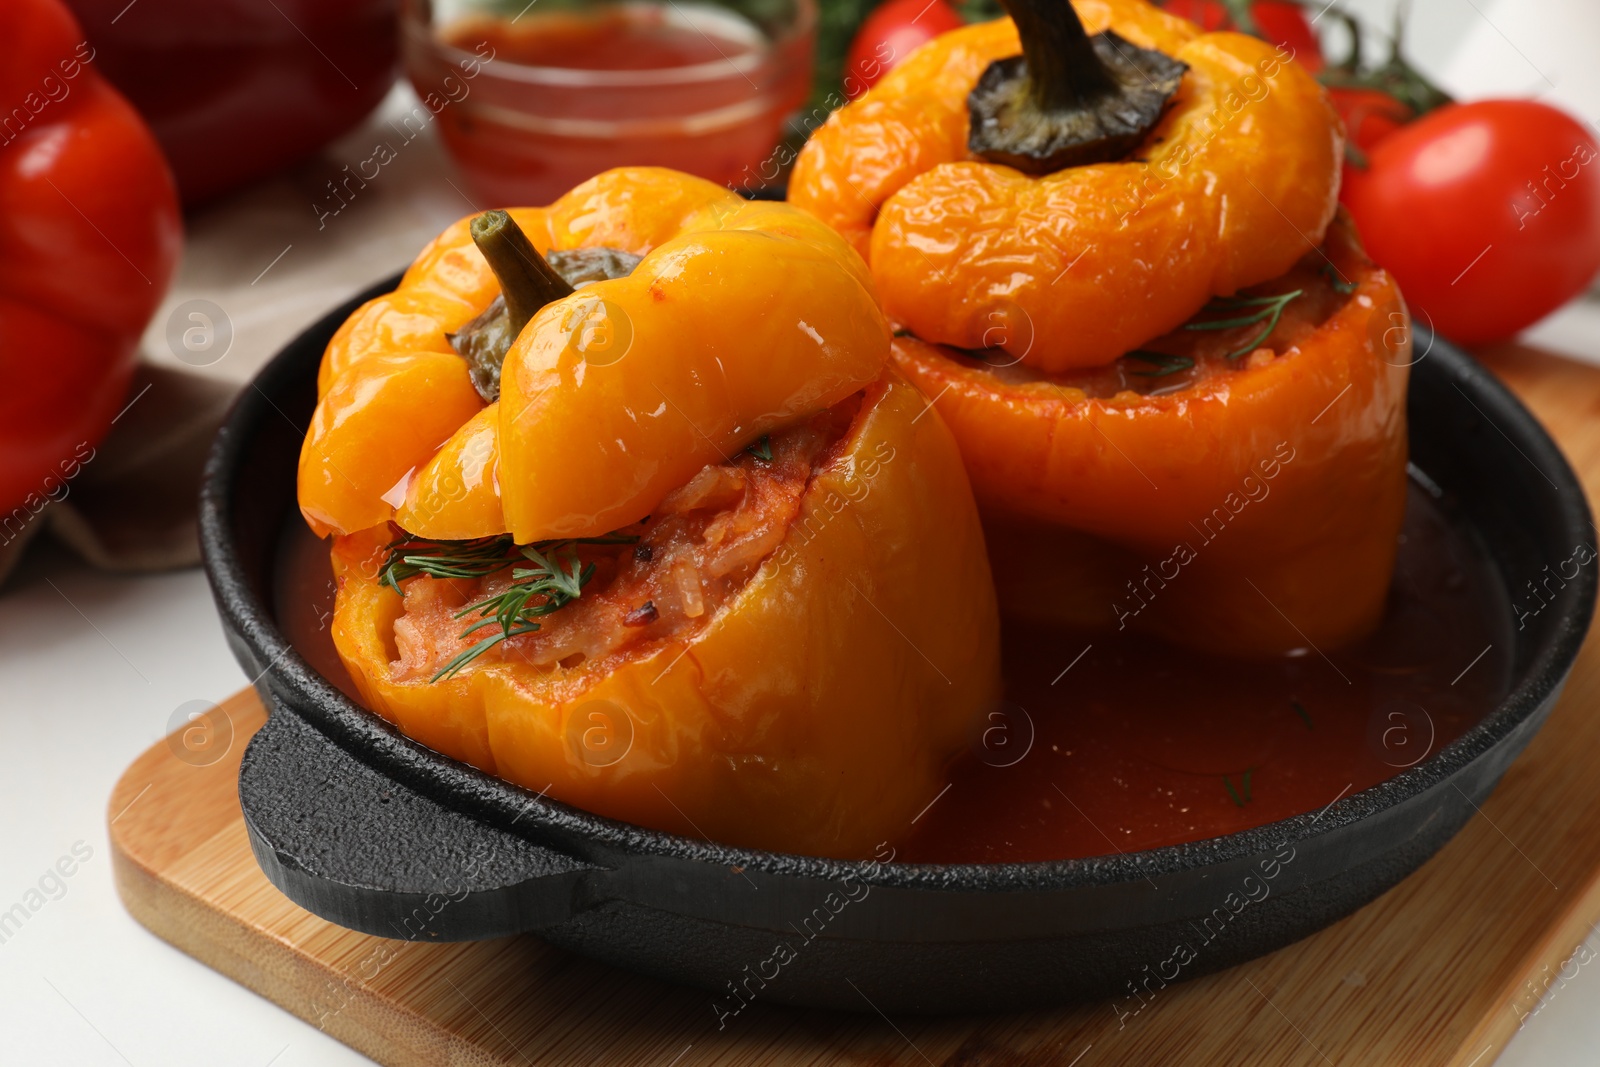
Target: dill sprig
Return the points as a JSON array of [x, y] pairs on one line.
[[555, 579], [1305, 716], [409, 557], [1337, 280], [1256, 309], [1244, 787], [1163, 363]]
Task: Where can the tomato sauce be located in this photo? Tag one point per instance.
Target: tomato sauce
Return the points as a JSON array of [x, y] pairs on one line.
[[1118, 742], [617, 38], [303, 602], [1137, 743]]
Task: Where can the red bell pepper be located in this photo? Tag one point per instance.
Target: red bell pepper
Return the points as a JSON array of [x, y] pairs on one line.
[[89, 238], [237, 89]]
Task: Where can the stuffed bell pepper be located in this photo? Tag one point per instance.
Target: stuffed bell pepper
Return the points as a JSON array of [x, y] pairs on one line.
[[1108, 241], [629, 506]]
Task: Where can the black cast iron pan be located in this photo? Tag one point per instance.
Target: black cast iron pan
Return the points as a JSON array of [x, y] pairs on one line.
[[370, 830]]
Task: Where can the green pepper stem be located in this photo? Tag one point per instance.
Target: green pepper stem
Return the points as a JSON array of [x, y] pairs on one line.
[[527, 282], [1063, 70], [1070, 99]]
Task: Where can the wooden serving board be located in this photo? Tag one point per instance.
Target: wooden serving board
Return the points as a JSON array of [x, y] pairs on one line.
[[1441, 970]]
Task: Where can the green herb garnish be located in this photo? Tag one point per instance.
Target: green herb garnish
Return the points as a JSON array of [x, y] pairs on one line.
[[1301, 711], [1163, 363], [762, 449], [1244, 788], [1257, 309], [1337, 280], [556, 579], [476, 558]]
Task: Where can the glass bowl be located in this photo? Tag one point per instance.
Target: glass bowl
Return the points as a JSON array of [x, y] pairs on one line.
[[532, 98]]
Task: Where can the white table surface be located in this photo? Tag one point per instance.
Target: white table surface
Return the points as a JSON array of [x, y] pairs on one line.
[[94, 667]]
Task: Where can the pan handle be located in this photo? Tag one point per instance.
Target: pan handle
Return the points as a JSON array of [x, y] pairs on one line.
[[361, 850]]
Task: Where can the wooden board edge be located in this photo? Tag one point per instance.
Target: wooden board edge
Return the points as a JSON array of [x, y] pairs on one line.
[[278, 970], [1520, 996], [274, 968]]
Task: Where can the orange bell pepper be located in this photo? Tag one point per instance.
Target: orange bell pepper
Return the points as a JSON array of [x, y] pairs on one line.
[[656, 363], [1073, 268], [1246, 505], [658, 546], [815, 712]]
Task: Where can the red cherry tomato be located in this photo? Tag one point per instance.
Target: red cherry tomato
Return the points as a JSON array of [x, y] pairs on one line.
[[893, 31], [1280, 21], [1488, 214]]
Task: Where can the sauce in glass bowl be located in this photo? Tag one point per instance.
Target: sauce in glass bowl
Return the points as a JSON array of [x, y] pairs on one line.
[[532, 101]]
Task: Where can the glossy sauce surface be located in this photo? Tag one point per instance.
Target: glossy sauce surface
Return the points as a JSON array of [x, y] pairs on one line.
[[1139, 743], [635, 37], [1116, 743]]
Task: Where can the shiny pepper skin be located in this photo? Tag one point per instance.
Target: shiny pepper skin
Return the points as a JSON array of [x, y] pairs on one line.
[[611, 397], [1073, 269]]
